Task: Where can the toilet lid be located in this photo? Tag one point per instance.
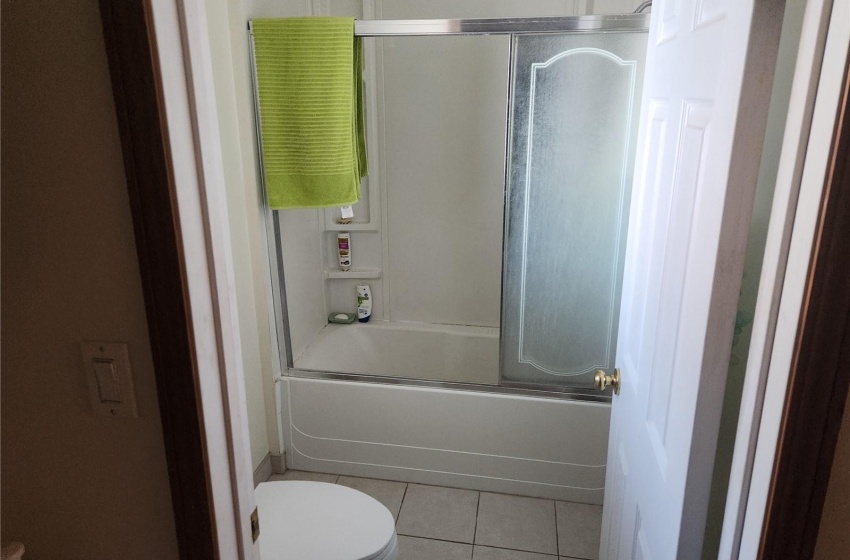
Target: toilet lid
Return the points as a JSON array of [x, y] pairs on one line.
[[321, 521]]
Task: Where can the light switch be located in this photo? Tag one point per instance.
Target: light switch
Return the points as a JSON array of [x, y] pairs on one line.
[[107, 381], [109, 378]]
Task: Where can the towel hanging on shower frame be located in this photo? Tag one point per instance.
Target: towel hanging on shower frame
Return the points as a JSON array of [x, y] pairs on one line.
[[310, 94]]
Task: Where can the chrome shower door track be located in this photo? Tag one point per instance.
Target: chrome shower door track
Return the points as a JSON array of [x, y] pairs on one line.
[[506, 26], [517, 389]]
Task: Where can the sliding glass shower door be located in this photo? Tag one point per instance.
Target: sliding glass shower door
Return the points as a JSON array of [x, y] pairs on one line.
[[575, 101]]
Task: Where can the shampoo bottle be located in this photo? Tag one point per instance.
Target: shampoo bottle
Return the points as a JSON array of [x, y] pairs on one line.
[[364, 303], [343, 246]]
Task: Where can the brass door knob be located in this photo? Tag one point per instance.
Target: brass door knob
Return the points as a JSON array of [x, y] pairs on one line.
[[602, 380]]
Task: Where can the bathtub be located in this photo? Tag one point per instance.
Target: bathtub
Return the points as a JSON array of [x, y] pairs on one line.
[[455, 353], [533, 446]]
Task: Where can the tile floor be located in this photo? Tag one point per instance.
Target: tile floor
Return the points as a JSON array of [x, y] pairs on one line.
[[437, 523]]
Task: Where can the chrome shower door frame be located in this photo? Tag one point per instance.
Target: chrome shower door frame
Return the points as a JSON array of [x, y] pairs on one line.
[[617, 23]]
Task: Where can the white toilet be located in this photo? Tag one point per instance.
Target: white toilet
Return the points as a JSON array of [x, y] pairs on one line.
[[321, 521]]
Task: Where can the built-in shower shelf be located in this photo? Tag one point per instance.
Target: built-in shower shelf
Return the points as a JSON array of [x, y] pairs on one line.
[[351, 226], [353, 273]]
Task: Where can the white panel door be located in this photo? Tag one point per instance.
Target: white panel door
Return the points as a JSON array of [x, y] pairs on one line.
[[702, 125]]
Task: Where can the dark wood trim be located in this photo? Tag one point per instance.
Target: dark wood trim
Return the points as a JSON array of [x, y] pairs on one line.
[[820, 372], [133, 65]]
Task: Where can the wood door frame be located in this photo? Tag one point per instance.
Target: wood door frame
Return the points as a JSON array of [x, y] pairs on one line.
[[820, 374], [162, 76], [135, 73]]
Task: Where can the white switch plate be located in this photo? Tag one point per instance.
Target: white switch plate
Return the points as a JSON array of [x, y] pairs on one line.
[[106, 384]]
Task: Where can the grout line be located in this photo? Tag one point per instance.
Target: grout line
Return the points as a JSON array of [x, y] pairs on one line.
[[491, 546], [557, 537], [401, 505], [445, 540], [477, 510], [488, 546]]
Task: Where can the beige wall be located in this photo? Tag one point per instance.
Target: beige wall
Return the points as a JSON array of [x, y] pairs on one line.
[[833, 538], [74, 485]]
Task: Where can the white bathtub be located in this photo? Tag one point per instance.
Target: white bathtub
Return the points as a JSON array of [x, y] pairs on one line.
[[531, 446], [415, 350]]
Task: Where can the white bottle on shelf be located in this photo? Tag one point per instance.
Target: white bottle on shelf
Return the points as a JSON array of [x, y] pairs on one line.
[[343, 247], [364, 303]]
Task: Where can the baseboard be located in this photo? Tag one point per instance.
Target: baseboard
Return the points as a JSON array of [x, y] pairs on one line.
[[278, 463], [263, 470], [271, 464]]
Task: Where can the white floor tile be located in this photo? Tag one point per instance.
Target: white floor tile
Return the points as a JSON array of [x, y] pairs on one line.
[[517, 523], [438, 513], [579, 529]]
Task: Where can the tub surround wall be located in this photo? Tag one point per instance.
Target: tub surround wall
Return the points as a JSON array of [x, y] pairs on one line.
[[541, 447]]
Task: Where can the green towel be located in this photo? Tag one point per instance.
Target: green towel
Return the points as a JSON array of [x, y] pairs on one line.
[[309, 79]]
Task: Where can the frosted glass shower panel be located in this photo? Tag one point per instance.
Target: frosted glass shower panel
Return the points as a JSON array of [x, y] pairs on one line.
[[573, 123]]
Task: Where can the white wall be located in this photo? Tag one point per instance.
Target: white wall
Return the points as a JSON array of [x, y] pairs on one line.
[[253, 323], [75, 485]]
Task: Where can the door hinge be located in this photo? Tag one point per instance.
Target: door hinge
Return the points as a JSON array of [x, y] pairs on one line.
[[255, 525]]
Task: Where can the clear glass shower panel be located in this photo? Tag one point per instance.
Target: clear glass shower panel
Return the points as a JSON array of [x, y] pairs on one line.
[[574, 109]]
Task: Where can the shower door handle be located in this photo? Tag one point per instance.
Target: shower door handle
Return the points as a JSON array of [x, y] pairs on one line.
[[602, 380]]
